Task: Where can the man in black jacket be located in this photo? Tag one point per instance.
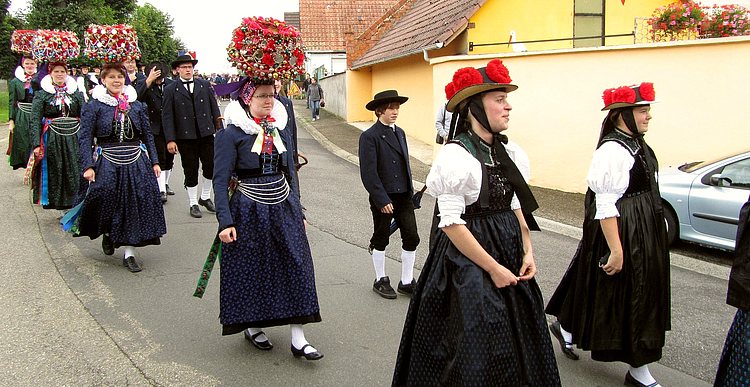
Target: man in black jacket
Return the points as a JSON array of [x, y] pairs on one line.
[[386, 174], [190, 118], [151, 92]]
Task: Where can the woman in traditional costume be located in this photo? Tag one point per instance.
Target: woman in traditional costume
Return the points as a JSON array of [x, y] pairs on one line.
[[267, 274], [55, 121], [477, 314], [21, 94], [614, 299], [122, 202]]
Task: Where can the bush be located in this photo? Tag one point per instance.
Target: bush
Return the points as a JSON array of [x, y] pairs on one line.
[[725, 20], [677, 17]]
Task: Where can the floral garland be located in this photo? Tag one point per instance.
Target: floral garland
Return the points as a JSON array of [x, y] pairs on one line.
[[55, 46], [111, 43], [266, 49], [20, 41]]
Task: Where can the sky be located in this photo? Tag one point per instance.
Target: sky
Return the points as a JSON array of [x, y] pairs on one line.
[[206, 26]]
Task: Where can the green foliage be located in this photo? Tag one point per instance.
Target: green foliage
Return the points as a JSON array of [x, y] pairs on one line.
[[155, 34], [8, 60], [69, 15], [4, 107]]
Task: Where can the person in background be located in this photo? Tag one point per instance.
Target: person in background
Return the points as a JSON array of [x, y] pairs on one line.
[[442, 123], [134, 76], [315, 93], [614, 299], [305, 84], [20, 96], [386, 175]]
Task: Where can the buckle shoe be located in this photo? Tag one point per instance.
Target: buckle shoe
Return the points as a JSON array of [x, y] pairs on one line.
[[383, 287], [309, 356], [633, 382], [208, 204], [567, 348], [262, 345], [195, 212], [131, 264], [407, 289]]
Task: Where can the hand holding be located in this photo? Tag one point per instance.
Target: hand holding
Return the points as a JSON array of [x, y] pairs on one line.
[[503, 277], [528, 269], [614, 263], [157, 170], [36, 151]]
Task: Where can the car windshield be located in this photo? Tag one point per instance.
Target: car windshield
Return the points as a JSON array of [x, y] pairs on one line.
[[696, 165]]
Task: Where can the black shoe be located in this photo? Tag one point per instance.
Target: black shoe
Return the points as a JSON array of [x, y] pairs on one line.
[[107, 247], [262, 345], [208, 204], [163, 197], [633, 382], [407, 289], [195, 212], [383, 288], [169, 190], [309, 356], [131, 264], [567, 348]]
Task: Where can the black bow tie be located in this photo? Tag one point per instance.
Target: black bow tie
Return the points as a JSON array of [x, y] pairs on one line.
[[187, 82]]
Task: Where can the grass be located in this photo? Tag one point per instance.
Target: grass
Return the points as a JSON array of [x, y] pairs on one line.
[[4, 107]]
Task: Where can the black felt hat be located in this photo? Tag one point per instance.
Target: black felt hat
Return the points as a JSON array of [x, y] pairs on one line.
[[385, 97], [185, 58]]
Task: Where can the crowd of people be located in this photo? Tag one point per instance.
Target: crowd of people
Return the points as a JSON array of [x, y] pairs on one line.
[[101, 144]]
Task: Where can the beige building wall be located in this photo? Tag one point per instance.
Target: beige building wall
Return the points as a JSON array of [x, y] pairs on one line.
[[556, 117], [358, 93]]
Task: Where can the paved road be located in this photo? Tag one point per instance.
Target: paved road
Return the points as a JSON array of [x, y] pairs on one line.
[[74, 316]]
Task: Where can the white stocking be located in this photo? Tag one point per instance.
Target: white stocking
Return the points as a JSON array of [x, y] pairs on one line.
[[407, 266], [298, 338], [378, 261]]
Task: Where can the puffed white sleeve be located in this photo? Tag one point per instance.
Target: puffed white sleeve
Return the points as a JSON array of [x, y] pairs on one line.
[[609, 177], [455, 179], [521, 159]]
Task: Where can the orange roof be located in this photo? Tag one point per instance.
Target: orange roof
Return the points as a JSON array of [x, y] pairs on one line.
[[425, 23], [325, 24]]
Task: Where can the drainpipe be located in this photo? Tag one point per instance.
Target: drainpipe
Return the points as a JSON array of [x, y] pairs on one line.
[[438, 45]]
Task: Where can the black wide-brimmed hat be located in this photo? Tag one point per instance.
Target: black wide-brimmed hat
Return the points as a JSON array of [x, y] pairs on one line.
[[469, 81], [629, 96], [183, 59], [385, 97]]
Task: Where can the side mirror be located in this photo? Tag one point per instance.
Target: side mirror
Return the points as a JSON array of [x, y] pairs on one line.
[[719, 181]]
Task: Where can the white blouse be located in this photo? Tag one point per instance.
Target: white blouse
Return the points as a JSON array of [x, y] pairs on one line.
[[455, 179], [609, 177]]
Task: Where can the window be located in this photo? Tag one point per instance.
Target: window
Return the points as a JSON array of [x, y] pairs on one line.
[[737, 174], [588, 21]]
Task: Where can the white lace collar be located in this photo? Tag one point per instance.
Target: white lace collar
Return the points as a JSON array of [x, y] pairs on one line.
[[70, 84], [235, 114], [100, 94], [21, 74]]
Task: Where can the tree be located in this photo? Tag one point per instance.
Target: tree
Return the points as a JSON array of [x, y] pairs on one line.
[[69, 15], [8, 23], [123, 9], [155, 34]]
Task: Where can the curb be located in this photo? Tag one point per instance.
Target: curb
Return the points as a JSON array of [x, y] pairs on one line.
[[677, 260]]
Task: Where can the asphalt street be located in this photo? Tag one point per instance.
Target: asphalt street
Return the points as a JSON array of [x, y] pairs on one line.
[[77, 317]]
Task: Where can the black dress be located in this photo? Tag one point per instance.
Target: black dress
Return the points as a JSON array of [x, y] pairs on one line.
[[461, 330], [622, 317]]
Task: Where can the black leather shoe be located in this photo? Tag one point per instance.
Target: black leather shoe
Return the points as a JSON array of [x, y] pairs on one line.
[[107, 247], [309, 356], [208, 204], [131, 264], [169, 190], [407, 289], [195, 212], [163, 197], [262, 345], [633, 382], [383, 288], [567, 348]]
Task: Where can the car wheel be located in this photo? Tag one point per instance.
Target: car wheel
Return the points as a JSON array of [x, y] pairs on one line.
[[673, 228]]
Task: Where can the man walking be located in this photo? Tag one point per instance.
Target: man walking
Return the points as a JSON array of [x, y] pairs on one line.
[[190, 116], [386, 175]]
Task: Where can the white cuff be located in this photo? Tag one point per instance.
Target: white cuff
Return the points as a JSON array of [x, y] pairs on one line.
[[451, 207], [605, 206], [515, 204]]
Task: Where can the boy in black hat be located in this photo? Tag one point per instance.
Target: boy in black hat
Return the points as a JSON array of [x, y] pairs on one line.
[[190, 116], [386, 174]]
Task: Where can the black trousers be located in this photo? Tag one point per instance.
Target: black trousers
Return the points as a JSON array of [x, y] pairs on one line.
[[403, 212], [195, 154], [166, 159]]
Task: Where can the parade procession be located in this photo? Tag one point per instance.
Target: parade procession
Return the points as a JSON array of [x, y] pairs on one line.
[[219, 210]]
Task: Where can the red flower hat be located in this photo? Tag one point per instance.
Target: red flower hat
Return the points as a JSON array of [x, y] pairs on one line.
[[266, 49], [55, 46], [20, 41], [625, 96], [111, 43], [470, 81]]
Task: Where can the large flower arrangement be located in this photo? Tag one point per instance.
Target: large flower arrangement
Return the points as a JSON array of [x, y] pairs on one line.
[[20, 41], [266, 48], [725, 20], [674, 18], [55, 46], [111, 43]]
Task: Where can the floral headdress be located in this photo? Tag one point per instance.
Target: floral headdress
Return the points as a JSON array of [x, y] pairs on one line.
[[111, 43], [266, 49], [55, 46], [20, 41], [470, 81], [626, 96]]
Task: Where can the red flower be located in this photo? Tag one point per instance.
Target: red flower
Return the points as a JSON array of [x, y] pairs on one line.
[[497, 71], [450, 90], [647, 91], [466, 76], [267, 60], [623, 94], [607, 97]]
